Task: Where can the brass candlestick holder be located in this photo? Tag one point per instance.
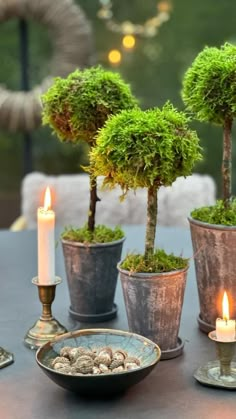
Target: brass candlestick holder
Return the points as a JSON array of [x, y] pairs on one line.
[[47, 327], [222, 372], [6, 358]]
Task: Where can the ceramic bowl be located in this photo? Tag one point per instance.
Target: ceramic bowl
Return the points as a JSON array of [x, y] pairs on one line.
[[100, 385]]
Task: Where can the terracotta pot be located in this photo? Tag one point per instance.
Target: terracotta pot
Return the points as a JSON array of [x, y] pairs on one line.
[[214, 248], [154, 306], [91, 271]]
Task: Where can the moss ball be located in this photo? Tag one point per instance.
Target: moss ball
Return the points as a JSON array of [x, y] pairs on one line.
[[209, 85], [77, 106]]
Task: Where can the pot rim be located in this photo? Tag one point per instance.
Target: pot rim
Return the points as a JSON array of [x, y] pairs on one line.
[[141, 275], [93, 245], [211, 226]]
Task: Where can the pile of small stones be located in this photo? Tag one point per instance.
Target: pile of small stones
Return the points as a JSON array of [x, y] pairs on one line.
[[81, 361]]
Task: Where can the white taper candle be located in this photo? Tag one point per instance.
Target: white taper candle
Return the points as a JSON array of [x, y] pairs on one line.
[[46, 241]]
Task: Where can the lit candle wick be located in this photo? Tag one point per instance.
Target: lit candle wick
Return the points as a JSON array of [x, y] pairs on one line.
[[47, 200]]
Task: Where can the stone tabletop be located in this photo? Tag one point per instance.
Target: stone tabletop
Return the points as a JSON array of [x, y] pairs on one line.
[[170, 391]]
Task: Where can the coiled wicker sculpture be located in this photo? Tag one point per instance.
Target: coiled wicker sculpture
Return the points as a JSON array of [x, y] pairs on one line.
[[70, 35]]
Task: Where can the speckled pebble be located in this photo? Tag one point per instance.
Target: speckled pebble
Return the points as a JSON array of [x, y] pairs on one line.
[[132, 359], [65, 351], [58, 366], [103, 358], [119, 354], [104, 368], [96, 370], [131, 366], [66, 369], [84, 364], [105, 351], [81, 361], [60, 359], [119, 369]]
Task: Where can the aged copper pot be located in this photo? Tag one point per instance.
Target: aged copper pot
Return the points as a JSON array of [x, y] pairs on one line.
[[154, 305], [214, 249], [91, 271]]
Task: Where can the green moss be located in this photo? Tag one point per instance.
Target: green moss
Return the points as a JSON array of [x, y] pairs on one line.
[[101, 234], [209, 85], [159, 262], [77, 106], [145, 148], [217, 214]]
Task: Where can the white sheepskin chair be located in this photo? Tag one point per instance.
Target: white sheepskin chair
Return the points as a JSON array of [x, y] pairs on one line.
[[71, 199]]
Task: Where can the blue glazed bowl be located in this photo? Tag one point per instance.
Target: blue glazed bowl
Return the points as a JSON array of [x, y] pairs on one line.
[[105, 384]]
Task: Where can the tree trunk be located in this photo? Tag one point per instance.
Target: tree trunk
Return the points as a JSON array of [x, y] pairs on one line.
[[151, 221], [227, 162], [92, 204]]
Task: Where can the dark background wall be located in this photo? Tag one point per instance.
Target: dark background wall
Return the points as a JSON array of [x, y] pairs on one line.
[[155, 69]]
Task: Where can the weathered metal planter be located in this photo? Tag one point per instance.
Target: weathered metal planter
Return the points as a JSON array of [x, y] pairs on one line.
[[214, 248], [154, 306], [91, 271]]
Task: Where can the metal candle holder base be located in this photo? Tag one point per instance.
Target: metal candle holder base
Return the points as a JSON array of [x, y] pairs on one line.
[[6, 358], [221, 373], [47, 327]]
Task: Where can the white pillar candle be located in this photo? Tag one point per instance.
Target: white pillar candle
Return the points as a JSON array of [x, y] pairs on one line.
[[46, 241], [225, 328]]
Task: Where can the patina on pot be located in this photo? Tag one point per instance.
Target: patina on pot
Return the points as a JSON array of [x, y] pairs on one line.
[[154, 305], [92, 277], [214, 249]]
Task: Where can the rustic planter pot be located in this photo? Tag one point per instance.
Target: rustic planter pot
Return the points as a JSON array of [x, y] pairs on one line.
[[214, 248], [91, 271], [154, 306]]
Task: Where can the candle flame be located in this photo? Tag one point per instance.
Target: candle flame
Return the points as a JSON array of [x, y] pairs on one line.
[[47, 199], [225, 307]]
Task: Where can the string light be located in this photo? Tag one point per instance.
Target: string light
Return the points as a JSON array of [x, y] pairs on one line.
[[148, 29], [129, 41], [114, 56]]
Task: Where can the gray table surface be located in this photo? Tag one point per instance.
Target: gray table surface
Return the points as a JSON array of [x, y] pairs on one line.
[[170, 391]]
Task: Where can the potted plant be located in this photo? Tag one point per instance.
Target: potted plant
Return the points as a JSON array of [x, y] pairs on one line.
[[149, 149], [209, 93], [76, 108]]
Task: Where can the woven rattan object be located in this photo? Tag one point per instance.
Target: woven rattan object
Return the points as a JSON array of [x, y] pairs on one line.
[[70, 35]]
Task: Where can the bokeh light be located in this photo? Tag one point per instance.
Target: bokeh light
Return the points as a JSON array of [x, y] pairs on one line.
[[128, 41], [114, 56]]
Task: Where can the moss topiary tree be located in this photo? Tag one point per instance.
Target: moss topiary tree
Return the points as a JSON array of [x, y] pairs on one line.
[[145, 149], [209, 93], [78, 106]]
